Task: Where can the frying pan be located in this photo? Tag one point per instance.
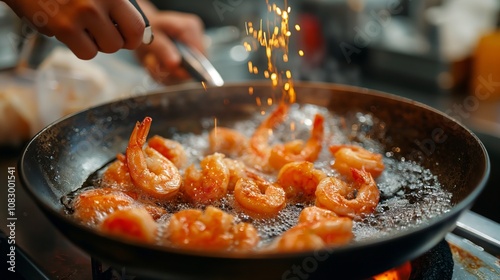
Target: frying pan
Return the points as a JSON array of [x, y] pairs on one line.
[[61, 157]]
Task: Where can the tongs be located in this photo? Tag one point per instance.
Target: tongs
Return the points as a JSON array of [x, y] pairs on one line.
[[193, 60]]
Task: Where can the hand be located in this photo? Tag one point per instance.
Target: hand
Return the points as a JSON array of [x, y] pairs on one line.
[[85, 26], [161, 58]]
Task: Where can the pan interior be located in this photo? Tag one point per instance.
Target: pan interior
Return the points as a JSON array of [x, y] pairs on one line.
[[410, 193]]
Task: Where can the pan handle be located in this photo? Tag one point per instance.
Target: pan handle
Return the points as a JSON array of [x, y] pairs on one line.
[[480, 230]]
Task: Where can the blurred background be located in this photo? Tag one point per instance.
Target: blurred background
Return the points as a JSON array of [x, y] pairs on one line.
[[444, 53]]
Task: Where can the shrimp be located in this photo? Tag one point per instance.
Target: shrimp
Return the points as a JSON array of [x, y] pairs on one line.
[[92, 206], [259, 141], [209, 184], [117, 175], [297, 150], [297, 239], [315, 235], [313, 214], [299, 179], [150, 171], [332, 193], [227, 141], [170, 149], [212, 229], [133, 223], [155, 211], [245, 237], [237, 170], [259, 197], [352, 156]]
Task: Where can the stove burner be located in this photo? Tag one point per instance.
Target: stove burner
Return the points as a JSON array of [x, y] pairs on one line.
[[435, 264]]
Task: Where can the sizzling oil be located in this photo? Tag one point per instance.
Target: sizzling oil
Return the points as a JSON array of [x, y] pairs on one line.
[[410, 194]]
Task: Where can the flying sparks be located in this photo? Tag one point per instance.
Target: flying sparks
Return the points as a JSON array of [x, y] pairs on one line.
[[275, 39]]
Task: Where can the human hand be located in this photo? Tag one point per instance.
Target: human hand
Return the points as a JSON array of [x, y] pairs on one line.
[[161, 58], [85, 26]]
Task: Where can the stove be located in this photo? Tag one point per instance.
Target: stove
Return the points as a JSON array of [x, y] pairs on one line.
[[42, 252]]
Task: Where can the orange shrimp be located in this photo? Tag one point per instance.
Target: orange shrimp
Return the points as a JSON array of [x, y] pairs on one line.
[[299, 179], [245, 237], [212, 229], [315, 235], [132, 223], [352, 156], [296, 239], [332, 193], [155, 211], [259, 140], [297, 150], [92, 206], [150, 171], [237, 170], [209, 184], [117, 175], [259, 197], [313, 214], [227, 141], [170, 149]]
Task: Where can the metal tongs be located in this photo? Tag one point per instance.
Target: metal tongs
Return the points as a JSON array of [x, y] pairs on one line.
[[192, 60]]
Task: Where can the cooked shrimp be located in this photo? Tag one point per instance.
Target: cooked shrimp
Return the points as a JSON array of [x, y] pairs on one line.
[[212, 229], [237, 170], [245, 237], [315, 235], [117, 175], [155, 211], [336, 231], [296, 239], [150, 171], [352, 156], [208, 184], [297, 150], [299, 179], [313, 214], [333, 194], [132, 223], [92, 206], [172, 150], [259, 197], [227, 141], [259, 141]]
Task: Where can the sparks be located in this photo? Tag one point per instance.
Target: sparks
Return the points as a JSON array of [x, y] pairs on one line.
[[275, 39]]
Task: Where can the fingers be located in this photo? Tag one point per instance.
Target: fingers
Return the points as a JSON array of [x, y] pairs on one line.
[[122, 28], [88, 27], [162, 58], [105, 35], [187, 28], [130, 25], [80, 43]]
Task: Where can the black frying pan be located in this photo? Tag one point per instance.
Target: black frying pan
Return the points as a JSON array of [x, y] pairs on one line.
[[61, 157]]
